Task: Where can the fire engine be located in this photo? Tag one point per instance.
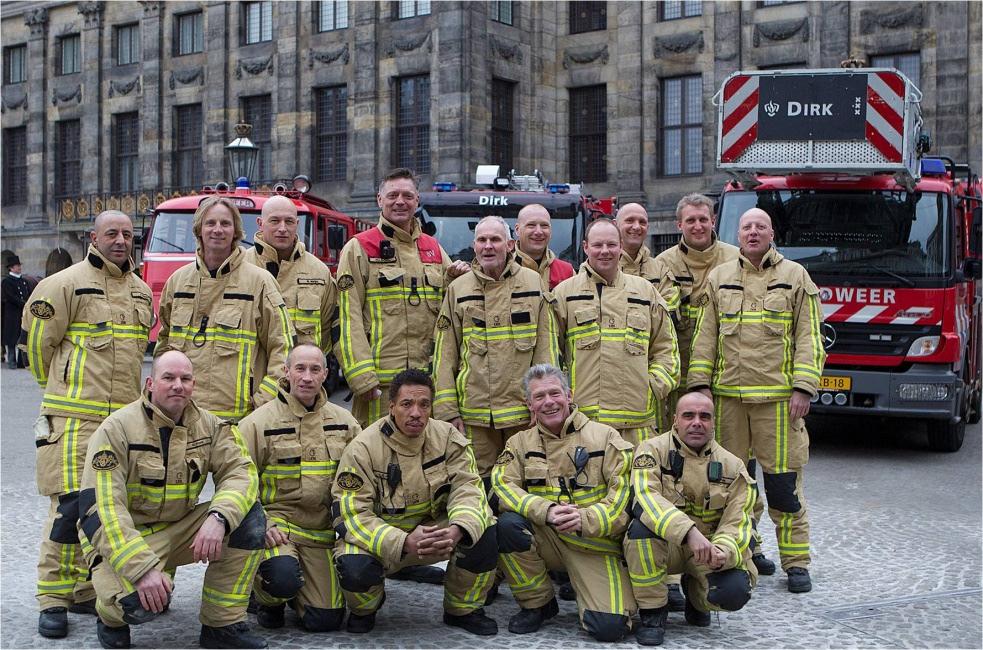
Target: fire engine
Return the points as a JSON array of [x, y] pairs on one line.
[[891, 237], [450, 213]]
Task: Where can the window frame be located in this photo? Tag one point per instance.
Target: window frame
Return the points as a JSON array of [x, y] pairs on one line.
[[261, 135], [596, 23], [318, 9], [682, 4], [682, 127], [503, 130], [60, 54], [125, 156], [134, 47], [183, 152], [68, 184], [8, 56], [197, 31], [264, 7], [587, 135], [14, 172], [421, 127], [334, 138], [894, 57], [495, 11], [417, 9]]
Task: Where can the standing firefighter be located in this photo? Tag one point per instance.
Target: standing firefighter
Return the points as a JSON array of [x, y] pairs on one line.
[[636, 258], [227, 316], [757, 348], [407, 493], [296, 442], [146, 466], [85, 333], [494, 325], [534, 231], [612, 322]]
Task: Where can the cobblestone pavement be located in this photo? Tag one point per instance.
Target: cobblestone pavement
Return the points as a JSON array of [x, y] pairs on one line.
[[896, 534]]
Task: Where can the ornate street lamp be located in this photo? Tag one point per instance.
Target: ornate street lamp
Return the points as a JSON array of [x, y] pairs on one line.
[[242, 155]]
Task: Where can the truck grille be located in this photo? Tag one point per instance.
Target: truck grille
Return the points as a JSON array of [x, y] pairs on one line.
[[880, 340]]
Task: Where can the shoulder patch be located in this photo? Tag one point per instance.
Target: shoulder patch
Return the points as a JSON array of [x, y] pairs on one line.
[[41, 309], [505, 457], [443, 322], [350, 481], [643, 462], [105, 460], [346, 282], [702, 300]]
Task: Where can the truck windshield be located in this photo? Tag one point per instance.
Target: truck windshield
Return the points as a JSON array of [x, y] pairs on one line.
[[172, 233], [455, 228], [883, 236]]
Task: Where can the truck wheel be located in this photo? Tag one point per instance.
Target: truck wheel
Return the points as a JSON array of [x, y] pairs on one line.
[[945, 436]]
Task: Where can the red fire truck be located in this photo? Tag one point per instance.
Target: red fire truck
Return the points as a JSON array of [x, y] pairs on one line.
[[451, 213], [170, 243], [891, 237]]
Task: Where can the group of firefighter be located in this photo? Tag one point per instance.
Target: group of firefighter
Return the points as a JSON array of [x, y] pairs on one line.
[[597, 432]]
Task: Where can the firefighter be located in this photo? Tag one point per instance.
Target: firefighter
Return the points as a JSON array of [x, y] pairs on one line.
[[227, 316], [612, 321], [305, 282], [636, 258], [563, 489], [495, 322], [145, 468], [407, 493], [757, 348], [692, 509], [296, 442], [85, 332], [533, 230], [391, 282]]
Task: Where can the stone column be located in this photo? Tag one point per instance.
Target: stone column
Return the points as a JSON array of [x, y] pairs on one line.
[[363, 122], [220, 36], [37, 123], [91, 129], [448, 92], [151, 114], [288, 156]]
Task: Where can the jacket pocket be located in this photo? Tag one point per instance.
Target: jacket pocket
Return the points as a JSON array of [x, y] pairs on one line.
[[475, 329], [151, 489], [227, 333], [286, 471], [391, 281], [731, 305], [197, 471], [433, 275], [637, 332], [776, 314], [308, 318], [586, 334]]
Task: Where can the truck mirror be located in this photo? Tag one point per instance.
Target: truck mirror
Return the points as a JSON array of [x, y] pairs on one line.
[[976, 231], [336, 237]]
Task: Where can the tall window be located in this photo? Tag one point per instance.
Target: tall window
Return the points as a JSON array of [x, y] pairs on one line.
[[14, 166], [258, 112], [501, 11], [410, 8], [413, 123], [775, 3], [189, 33], [126, 44], [587, 16], [126, 152], [331, 155], [909, 63], [682, 125], [68, 158], [257, 22], [673, 9], [503, 123], [588, 133], [331, 14], [14, 64], [188, 162], [69, 54]]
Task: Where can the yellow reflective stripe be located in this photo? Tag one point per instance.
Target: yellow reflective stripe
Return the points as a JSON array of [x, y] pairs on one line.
[[288, 339], [269, 385], [326, 536], [348, 365], [661, 518], [622, 484], [595, 544], [34, 356], [226, 334], [424, 292], [581, 497], [726, 390], [371, 541], [615, 594], [781, 437], [170, 492], [815, 323]]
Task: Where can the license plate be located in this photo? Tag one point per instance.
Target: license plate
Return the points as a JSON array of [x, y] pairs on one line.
[[835, 383]]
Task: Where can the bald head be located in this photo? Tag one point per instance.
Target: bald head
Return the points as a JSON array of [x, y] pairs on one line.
[[533, 230], [694, 420], [755, 213], [278, 205], [112, 235], [278, 225], [171, 383], [305, 371], [755, 234], [633, 223]]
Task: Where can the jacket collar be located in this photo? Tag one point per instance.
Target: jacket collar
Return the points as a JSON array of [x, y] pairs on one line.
[[269, 254], [401, 443], [97, 260], [230, 264], [574, 423], [527, 260], [686, 450], [392, 232], [159, 420], [771, 258], [595, 278], [511, 267], [643, 254], [295, 406]]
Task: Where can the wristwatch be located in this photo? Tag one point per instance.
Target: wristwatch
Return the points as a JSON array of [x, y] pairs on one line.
[[219, 516]]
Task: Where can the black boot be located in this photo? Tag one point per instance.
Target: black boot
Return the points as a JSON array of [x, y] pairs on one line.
[[799, 581], [652, 630], [360, 623], [53, 623], [431, 575], [84, 607], [765, 566], [492, 593], [476, 622], [236, 635], [696, 617], [112, 637], [527, 621], [676, 600], [270, 616]]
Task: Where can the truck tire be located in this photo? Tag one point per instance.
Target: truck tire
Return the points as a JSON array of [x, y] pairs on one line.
[[946, 436]]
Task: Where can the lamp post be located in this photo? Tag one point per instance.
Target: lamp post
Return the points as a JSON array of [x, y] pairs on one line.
[[242, 155]]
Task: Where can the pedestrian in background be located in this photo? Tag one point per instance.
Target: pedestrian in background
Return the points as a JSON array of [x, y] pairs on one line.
[[15, 291]]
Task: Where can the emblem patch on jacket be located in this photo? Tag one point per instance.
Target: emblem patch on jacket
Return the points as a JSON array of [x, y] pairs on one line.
[[443, 322], [643, 462], [42, 309], [350, 481], [105, 460], [346, 282], [505, 457]]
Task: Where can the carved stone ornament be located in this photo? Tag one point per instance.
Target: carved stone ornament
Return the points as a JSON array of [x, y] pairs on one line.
[[92, 12], [36, 19], [781, 30], [507, 51], [13, 98], [254, 66], [408, 44], [124, 87], [678, 43], [894, 18], [185, 77], [585, 55], [66, 96], [151, 7], [329, 56]]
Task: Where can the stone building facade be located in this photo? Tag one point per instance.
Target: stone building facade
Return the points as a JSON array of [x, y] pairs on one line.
[[125, 103]]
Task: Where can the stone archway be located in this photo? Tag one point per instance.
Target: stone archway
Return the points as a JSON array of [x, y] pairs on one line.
[[58, 259]]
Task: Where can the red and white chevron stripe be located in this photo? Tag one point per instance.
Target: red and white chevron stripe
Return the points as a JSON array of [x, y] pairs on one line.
[[740, 128], [885, 114]]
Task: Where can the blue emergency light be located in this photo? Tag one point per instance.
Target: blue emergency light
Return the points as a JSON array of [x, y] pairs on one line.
[[444, 186], [558, 188], [933, 167]]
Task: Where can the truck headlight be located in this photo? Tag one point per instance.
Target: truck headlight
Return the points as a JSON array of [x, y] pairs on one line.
[[923, 392], [924, 346]]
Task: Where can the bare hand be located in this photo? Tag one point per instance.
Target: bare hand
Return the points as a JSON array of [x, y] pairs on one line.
[[798, 406], [717, 559], [441, 542], [418, 542], [706, 391], [153, 588], [457, 268], [700, 546], [375, 393], [564, 517], [275, 537], [458, 424], [207, 545]]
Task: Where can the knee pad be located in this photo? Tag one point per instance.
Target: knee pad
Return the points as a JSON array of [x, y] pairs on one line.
[[780, 490], [605, 627], [729, 590], [638, 530], [483, 555], [281, 576], [251, 533], [316, 619], [64, 529], [514, 533], [133, 611], [358, 573]]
